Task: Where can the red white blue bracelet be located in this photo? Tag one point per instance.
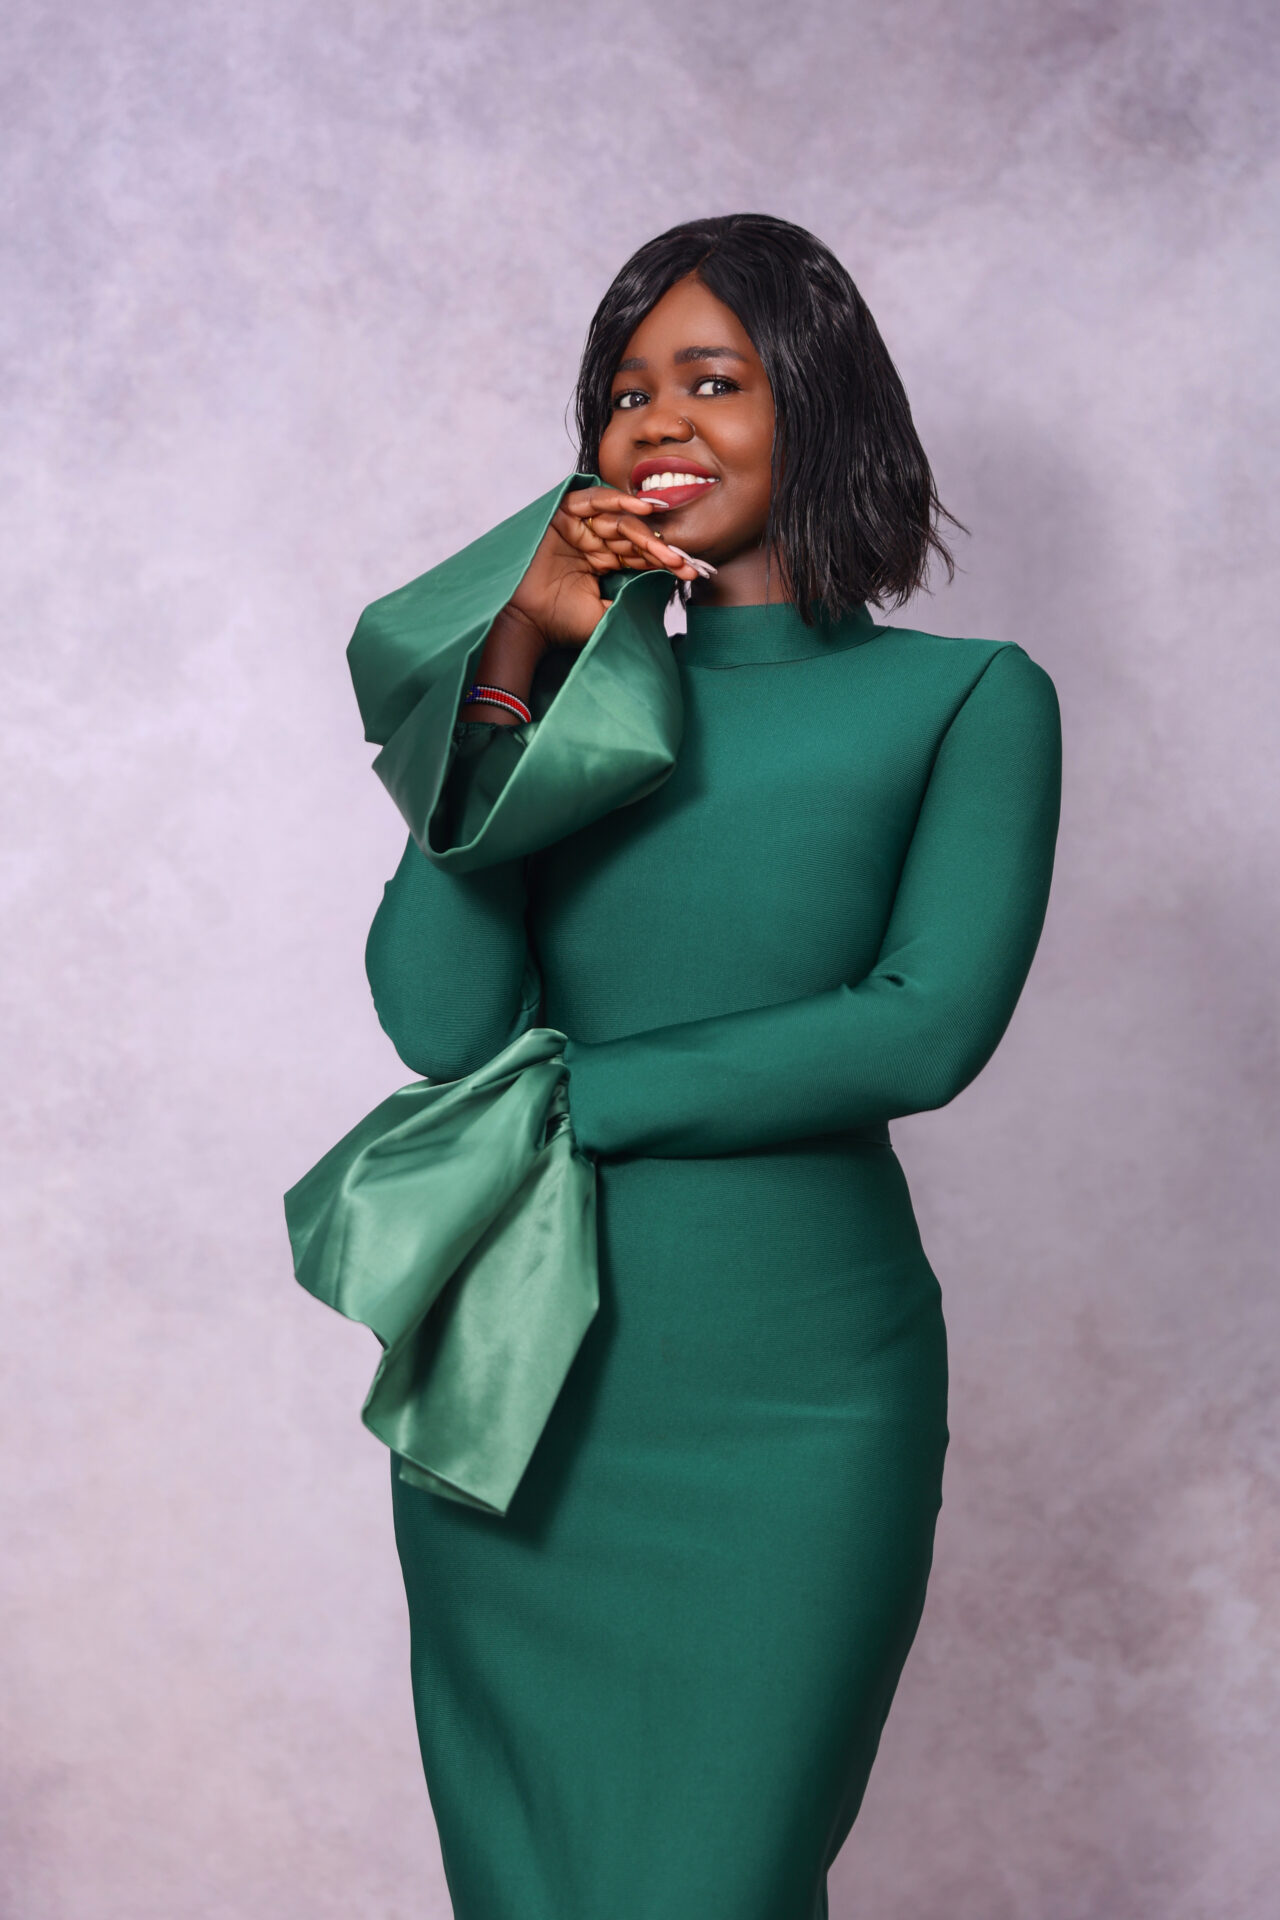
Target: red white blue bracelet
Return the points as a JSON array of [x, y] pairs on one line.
[[497, 697]]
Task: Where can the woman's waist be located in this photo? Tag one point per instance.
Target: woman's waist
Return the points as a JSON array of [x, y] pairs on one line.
[[840, 1199], [832, 1155]]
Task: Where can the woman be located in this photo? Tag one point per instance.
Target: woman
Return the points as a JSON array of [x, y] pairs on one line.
[[653, 1688]]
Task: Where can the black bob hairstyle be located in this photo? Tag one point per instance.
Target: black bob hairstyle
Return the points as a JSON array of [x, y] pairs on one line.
[[854, 510]]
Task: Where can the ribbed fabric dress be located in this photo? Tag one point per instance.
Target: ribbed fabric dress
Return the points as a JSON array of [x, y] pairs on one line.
[[654, 1689]]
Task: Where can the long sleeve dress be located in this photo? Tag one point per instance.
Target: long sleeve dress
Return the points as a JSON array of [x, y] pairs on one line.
[[654, 1688]]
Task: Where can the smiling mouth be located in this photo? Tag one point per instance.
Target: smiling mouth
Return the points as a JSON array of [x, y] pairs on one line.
[[676, 485]]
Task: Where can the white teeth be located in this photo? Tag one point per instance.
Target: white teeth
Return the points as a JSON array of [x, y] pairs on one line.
[[656, 482]]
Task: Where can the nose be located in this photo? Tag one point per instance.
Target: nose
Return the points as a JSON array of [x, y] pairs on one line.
[[661, 423]]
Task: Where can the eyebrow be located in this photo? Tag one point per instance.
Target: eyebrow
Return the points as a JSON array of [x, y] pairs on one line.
[[685, 357]]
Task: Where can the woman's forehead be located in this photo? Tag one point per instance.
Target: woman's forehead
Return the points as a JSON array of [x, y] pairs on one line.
[[688, 323]]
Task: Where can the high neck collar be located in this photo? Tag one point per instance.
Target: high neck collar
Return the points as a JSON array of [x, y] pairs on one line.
[[761, 636]]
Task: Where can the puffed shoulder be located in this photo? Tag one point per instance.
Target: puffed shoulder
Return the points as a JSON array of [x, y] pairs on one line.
[[608, 736], [1012, 667], [1016, 697]]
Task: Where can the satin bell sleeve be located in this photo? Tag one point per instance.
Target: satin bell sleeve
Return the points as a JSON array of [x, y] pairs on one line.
[[607, 735], [449, 963], [965, 923]]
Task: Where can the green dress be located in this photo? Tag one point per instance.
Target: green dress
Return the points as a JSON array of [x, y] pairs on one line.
[[803, 905]]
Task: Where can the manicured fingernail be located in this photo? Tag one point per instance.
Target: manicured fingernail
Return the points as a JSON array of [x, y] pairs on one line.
[[657, 503], [704, 567]]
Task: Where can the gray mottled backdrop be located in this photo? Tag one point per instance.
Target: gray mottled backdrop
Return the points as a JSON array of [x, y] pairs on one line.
[[293, 295]]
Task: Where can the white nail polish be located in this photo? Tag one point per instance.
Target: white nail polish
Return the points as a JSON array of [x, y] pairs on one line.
[[704, 567]]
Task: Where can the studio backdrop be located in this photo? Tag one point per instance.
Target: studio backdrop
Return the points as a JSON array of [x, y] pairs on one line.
[[293, 298]]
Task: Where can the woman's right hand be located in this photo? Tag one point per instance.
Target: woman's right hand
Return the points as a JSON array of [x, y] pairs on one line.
[[595, 531]]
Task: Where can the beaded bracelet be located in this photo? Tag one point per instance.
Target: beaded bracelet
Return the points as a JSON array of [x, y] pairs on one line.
[[496, 697]]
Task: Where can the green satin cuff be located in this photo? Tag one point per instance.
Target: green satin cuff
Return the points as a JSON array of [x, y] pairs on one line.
[[457, 1222], [610, 735]]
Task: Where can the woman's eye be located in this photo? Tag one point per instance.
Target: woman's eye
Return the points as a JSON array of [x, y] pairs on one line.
[[710, 387]]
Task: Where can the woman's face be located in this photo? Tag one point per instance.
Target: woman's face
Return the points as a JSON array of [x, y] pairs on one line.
[[692, 400]]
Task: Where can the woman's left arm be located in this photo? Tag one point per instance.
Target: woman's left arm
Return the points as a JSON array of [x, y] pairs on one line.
[[964, 928]]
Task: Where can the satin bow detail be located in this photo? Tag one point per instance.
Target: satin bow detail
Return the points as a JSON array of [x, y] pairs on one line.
[[457, 1222]]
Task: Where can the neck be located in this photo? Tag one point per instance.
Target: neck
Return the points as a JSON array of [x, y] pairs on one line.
[[753, 578], [761, 635]]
